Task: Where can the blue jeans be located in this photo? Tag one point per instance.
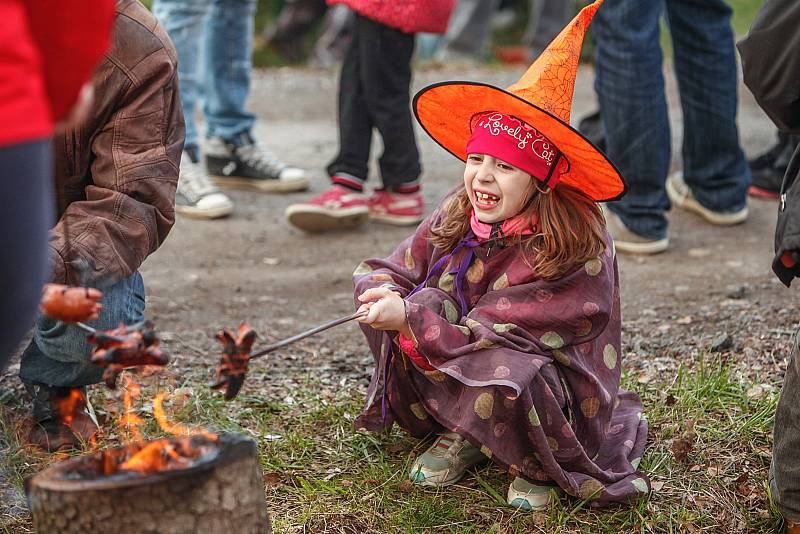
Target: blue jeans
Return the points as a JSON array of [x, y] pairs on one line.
[[214, 40], [59, 354], [630, 87]]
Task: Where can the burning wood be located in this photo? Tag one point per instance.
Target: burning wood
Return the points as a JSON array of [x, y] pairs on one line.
[[126, 346], [70, 304]]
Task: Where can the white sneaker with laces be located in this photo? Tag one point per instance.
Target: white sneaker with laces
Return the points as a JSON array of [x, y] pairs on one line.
[[197, 196], [681, 195]]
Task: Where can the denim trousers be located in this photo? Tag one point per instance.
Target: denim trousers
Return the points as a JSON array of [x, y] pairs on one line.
[[630, 87], [784, 473], [214, 40], [59, 354], [374, 94]]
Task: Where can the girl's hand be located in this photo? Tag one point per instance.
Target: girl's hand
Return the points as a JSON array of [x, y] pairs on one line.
[[387, 310]]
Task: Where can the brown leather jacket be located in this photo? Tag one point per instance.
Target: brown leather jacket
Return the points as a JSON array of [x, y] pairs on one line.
[[116, 173]]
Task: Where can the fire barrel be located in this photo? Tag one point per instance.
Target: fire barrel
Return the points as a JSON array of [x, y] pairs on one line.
[[218, 489]]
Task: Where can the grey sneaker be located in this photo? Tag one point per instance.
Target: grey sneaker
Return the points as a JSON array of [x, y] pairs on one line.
[[445, 462], [196, 196], [248, 165], [681, 195], [529, 497], [627, 241]]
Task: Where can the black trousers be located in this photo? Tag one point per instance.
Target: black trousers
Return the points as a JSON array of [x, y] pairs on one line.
[[26, 214], [374, 93]]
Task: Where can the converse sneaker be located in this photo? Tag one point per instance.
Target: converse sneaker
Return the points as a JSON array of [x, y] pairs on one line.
[[196, 196], [336, 208], [396, 208], [627, 241], [63, 418], [246, 164], [681, 195], [445, 462], [529, 497]]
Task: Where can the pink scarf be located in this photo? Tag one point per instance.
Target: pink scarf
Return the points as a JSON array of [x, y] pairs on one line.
[[517, 225]]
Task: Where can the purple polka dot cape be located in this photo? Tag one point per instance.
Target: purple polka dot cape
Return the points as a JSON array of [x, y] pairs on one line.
[[529, 374]]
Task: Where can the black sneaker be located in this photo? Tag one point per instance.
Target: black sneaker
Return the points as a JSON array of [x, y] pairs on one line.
[[196, 195], [246, 164], [769, 168]]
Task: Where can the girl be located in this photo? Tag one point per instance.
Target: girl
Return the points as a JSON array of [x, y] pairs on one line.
[[497, 324]]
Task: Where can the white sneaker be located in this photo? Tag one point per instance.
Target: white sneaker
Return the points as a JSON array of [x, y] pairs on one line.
[[529, 497], [681, 195], [629, 242], [196, 196]]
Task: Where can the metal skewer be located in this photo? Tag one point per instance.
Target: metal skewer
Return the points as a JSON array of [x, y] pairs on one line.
[[307, 333]]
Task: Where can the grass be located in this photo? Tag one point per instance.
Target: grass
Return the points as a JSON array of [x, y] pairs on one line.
[[322, 476]]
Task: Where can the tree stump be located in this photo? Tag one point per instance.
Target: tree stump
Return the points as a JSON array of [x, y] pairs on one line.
[[216, 496]]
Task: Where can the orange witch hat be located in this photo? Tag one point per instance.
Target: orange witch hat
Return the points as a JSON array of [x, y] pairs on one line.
[[542, 98]]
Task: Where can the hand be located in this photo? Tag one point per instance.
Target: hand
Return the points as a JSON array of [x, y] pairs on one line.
[[80, 110], [387, 310]]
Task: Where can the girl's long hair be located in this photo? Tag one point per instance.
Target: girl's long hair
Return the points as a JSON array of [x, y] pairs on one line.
[[569, 230]]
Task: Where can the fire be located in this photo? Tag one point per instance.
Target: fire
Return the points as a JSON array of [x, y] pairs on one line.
[[154, 457], [129, 422], [69, 405], [161, 454]]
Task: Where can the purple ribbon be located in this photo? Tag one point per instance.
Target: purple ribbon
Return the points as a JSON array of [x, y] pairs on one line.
[[468, 243]]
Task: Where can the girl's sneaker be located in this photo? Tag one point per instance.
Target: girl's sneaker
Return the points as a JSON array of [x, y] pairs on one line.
[[337, 208], [401, 209], [446, 461], [528, 497]]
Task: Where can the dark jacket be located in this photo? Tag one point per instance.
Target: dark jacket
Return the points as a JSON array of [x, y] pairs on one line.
[[116, 174], [771, 64]]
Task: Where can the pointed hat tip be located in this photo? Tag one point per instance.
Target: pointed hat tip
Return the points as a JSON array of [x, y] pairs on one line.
[[549, 82]]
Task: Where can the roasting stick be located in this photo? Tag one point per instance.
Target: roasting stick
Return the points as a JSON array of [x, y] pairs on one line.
[[302, 335]]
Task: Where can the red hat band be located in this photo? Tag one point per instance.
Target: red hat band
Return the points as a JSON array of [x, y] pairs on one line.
[[519, 144]]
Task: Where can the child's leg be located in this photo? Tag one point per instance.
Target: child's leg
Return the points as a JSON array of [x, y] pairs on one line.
[[386, 80], [349, 167]]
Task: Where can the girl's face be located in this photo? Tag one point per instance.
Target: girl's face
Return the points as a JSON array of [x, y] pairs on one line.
[[496, 189]]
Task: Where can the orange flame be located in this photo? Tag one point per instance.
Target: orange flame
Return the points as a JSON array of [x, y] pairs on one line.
[[154, 457], [69, 406], [129, 422], [175, 429]]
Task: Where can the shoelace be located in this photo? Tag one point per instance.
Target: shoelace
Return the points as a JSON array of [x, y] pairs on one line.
[[194, 181], [261, 159]]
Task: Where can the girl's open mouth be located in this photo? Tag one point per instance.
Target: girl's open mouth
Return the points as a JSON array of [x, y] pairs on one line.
[[485, 201]]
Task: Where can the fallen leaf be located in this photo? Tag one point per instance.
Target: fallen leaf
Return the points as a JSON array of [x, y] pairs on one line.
[[684, 443], [406, 486]]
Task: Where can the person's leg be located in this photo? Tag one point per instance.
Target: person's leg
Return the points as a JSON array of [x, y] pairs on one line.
[[386, 79], [24, 221], [714, 165], [355, 124], [59, 354], [185, 22], [546, 20], [630, 88], [227, 67], [468, 31], [784, 474]]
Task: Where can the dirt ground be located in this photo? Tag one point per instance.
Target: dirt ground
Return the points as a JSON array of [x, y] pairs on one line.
[[253, 266]]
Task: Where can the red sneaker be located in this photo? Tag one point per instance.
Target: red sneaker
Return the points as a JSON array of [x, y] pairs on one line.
[[336, 208], [396, 208]]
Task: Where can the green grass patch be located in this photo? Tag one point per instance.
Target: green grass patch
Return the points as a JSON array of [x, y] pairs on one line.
[[322, 476]]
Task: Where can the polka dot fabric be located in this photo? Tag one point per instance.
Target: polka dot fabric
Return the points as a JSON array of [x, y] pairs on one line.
[[531, 373]]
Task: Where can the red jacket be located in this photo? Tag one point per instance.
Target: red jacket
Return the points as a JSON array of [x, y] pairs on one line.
[[409, 16], [48, 50]]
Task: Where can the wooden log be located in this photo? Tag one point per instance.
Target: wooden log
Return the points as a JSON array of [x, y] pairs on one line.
[[216, 497]]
